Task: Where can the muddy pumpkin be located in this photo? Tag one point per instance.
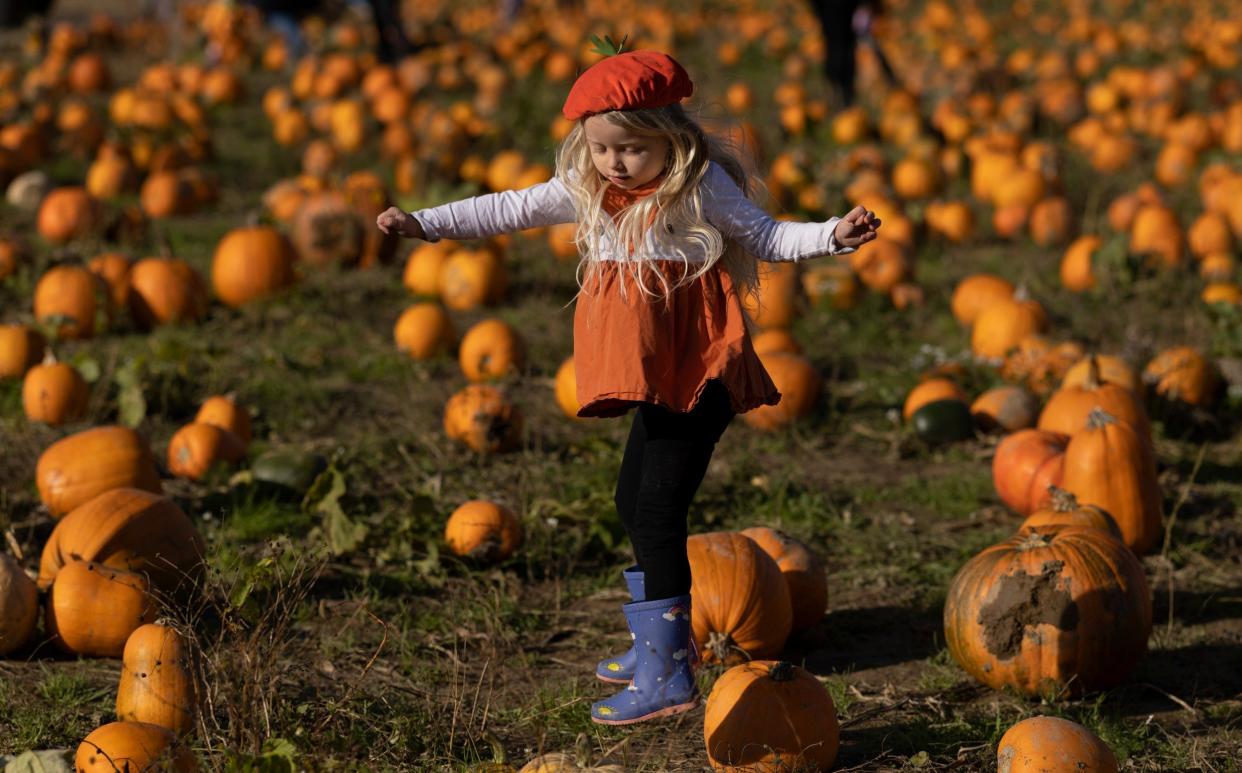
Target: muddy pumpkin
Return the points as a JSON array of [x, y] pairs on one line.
[[740, 602], [490, 350], [481, 417], [482, 530], [1053, 612]]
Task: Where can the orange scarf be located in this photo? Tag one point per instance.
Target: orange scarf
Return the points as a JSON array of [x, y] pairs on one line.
[[617, 199]]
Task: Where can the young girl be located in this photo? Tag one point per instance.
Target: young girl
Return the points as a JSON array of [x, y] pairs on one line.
[[664, 227]]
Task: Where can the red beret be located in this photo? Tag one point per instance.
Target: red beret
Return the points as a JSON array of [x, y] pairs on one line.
[[628, 81]]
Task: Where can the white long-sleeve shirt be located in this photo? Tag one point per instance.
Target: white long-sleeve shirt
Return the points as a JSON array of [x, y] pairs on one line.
[[724, 205]]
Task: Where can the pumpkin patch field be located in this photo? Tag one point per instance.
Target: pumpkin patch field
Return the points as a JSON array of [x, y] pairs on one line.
[[280, 492]]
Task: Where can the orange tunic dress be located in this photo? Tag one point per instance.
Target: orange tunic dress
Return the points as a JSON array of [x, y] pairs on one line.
[[631, 348]]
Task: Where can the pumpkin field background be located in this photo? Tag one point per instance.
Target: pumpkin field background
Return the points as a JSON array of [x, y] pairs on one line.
[[338, 631]]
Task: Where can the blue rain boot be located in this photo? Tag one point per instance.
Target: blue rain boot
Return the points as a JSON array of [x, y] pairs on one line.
[[620, 670], [663, 682]]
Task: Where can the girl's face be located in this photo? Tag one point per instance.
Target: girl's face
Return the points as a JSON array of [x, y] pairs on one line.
[[625, 159]]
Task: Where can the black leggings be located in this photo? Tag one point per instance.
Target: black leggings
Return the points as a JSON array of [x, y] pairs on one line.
[[665, 459]]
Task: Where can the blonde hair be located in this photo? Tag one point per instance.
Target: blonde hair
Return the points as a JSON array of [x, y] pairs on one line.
[[675, 207]]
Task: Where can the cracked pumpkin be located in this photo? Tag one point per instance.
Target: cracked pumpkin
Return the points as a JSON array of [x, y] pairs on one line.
[[1053, 612]]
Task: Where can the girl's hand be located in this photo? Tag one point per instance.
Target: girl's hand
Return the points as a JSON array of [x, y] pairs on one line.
[[395, 220], [857, 227]]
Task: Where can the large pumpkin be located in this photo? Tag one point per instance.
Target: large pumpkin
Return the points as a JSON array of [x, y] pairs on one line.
[[75, 469], [132, 746], [251, 263], [19, 605], [800, 386], [54, 393], [166, 290], [483, 418], [157, 679], [92, 609], [770, 716], [129, 529], [1051, 612], [483, 530], [803, 572], [1026, 463], [740, 607], [1067, 409], [1111, 465], [490, 350], [69, 292], [1041, 744]]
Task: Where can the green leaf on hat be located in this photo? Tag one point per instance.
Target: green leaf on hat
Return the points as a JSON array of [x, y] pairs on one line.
[[607, 47]]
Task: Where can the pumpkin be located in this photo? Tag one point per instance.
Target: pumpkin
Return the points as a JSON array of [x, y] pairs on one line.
[[1025, 465], [288, 471], [483, 530], [472, 278], [1005, 408], [833, 284], [799, 384], [777, 339], [127, 529], [1051, 221], [327, 230], [67, 213], [1000, 326], [943, 421], [164, 291], [1067, 409], [12, 255], [20, 348], [1041, 744], [1209, 234], [975, 293], [251, 263], [77, 468], [132, 746], [1183, 374], [68, 291], [92, 609], [929, 391], [1106, 368], [483, 418], [491, 349], [803, 572], [165, 193], [740, 601], [1077, 264], [882, 264], [1051, 612], [54, 393], [224, 412], [1111, 465], [424, 330], [19, 605], [566, 388], [113, 269], [423, 266], [157, 680], [775, 304], [770, 716], [197, 447], [1065, 511]]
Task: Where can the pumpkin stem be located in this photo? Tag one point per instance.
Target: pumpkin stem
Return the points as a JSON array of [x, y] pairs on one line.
[[1100, 418], [782, 672], [1033, 540], [722, 645], [1092, 382], [1062, 501], [582, 751]]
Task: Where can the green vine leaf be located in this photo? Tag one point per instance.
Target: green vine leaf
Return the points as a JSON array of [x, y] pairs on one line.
[[607, 47]]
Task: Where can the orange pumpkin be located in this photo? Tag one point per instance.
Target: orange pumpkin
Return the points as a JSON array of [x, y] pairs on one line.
[[69, 292], [92, 609], [54, 393], [157, 679], [19, 606], [132, 746], [483, 418], [771, 716], [113, 268], [1005, 408], [929, 391], [1002, 325], [740, 603], [799, 384], [1051, 612], [1111, 465], [12, 255], [251, 263], [1067, 409], [164, 291], [776, 339], [1183, 374], [424, 330], [776, 302], [423, 266], [566, 387], [1025, 465], [491, 349], [20, 349], [881, 264], [224, 412], [483, 530], [977, 292], [196, 448], [803, 572], [1077, 265], [77, 468], [1043, 744], [327, 230], [66, 214], [472, 278], [832, 283], [1108, 369], [1065, 511]]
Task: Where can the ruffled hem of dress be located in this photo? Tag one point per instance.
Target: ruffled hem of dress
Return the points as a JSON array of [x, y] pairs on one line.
[[611, 404]]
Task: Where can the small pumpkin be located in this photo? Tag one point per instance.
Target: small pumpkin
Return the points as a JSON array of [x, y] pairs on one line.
[[943, 421], [800, 386], [67, 213], [113, 268], [54, 393], [21, 348], [69, 292], [769, 715], [803, 572], [226, 413], [833, 284], [975, 293], [157, 679], [1065, 511], [1041, 744], [197, 447], [483, 418], [1183, 374], [92, 609], [775, 304], [1108, 369], [424, 330], [1000, 326], [423, 266], [482, 530], [164, 291], [566, 388], [1050, 612], [1078, 264], [491, 349], [775, 339], [931, 390], [132, 746], [740, 601], [289, 471], [1005, 408], [1025, 465], [471, 278], [77, 468], [252, 263], [19, 605]]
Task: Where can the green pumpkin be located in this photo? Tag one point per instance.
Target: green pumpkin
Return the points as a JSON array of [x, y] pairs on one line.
[[288, 470], [944, 421]]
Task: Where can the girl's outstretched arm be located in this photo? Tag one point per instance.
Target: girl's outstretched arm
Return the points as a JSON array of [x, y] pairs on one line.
[[763, 236], [487, 215]]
